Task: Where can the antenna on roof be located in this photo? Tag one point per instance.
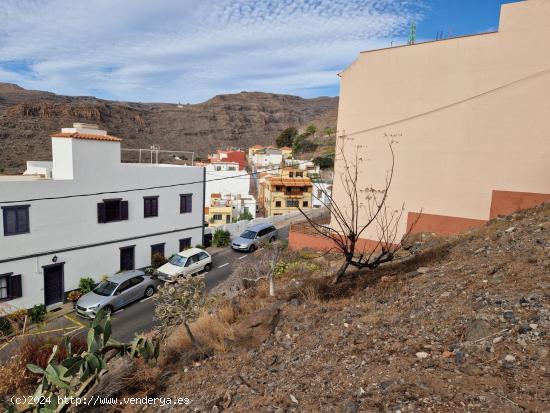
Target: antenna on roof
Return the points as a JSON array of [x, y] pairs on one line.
[[412, 33]]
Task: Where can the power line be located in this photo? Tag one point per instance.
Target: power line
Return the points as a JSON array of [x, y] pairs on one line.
[[122, 191]]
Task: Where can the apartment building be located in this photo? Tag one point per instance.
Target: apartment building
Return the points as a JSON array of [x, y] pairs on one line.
[[232, 156], [86, 214], [263, 159], [284, 193], [227, 208], [472, 119]]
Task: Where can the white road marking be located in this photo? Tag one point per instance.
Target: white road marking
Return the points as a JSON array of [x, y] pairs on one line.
[[145, 299], [223, 265], [118, 311], [243, 257]]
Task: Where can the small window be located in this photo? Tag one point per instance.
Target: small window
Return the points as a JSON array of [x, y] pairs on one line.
[[291, 174], [217, 217], [111, 210], [305, 203], [299, 174], [150, 206], [279, 188], [186, 203], [10, 286], [16, 219], [157, 249], [277, 204], [4, 290], [124, 286], [185, 243], [292, 203]]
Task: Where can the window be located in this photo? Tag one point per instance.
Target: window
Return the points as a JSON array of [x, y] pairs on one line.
[[111, 210], [157, 249], [279, 188], [299, 174], [291, 174], [16, 219], [203, 256], [217, 217], [150, 206], [10, 286], [185, 203], [228, 219], [127, 258], [292, 203], [185, 243], [305, 203], [277, 204], [136, 280], [123, 287]]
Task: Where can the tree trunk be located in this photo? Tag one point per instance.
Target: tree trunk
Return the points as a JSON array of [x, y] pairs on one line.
[[340, 272], [191, 336]]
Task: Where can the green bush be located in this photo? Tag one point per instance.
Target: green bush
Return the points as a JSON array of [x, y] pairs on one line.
[[86, 284], [38, 313], [5, 327], [158, 260], [221, 238], [245, 216]]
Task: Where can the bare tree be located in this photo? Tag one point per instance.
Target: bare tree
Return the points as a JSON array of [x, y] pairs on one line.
[[362, 208]]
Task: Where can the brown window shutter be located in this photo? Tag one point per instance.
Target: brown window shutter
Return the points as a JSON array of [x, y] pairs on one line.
[[15, 289], [101, 212], [123, 210]]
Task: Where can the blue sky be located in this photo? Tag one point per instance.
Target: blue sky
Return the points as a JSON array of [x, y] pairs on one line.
[[190, 50]]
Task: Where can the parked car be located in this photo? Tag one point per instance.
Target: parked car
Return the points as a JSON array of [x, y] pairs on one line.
[[250, 239], [188, 262], [115, 292]]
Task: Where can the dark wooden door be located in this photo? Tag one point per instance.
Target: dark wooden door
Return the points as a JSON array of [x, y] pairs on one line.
[[126, 258], [53, 284]]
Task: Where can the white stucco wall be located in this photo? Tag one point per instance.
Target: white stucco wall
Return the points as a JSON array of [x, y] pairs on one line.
[[69, 229], [220, 182]]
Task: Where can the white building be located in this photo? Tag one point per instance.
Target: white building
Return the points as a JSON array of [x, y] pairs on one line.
[[322, 193], [220, 181], [266, 158], [86, 214], [305, 165]]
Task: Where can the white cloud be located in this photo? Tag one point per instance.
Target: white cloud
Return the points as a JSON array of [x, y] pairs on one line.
[[183, 50]]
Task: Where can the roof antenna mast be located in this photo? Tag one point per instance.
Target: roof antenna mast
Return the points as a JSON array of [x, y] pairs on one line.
[[412, 33]]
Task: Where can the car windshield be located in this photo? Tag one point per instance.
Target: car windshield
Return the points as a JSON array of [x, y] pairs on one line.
[[248, 234], [105, 288], [177, 260]]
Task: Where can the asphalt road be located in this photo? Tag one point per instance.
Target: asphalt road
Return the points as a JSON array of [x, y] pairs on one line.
[[137, 317]]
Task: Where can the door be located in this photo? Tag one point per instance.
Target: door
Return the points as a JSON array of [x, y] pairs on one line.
[[53, 284], [122, 296], [136, 290], [192, 264], [127, 258]]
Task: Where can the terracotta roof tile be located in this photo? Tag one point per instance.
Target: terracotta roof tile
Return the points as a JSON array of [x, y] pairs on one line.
[[77, 135]]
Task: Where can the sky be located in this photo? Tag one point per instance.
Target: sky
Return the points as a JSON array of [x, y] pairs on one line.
[[191, 50]]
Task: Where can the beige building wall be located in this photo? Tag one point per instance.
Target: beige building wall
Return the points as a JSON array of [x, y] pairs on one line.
[[473, 115]]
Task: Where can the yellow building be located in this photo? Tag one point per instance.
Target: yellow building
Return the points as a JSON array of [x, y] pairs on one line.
[[219, 212], [284, 193], [286, 151]]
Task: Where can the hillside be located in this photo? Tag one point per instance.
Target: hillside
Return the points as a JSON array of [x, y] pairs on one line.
[[27, 117], [463, 326]]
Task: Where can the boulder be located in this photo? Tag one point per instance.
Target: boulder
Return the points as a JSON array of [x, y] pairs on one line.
[[258, 326]]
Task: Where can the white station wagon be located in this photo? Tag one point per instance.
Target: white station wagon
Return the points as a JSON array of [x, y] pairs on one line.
[[188, 262]]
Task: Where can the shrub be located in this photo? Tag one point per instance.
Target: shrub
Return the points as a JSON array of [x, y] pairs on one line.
[[245, 216], [221, 238], [5, 326], [86, 284], [158, 260], [38, 313], [74, 295]]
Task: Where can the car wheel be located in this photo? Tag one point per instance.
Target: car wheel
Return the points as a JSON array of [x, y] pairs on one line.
[[252, 248], [272, 239], [207, 267], [108, 309], [149, 291]]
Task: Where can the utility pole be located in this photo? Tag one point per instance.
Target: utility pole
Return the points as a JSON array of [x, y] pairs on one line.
[[412, 33]]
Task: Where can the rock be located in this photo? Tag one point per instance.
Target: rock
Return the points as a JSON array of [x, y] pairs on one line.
[[533, 326], [421, 354], [258, 326], [477, 330], [509, 358], [445, 294], [361, 392], [508, 315], [497, 339], [295, 302], [350, 406], [215, 409], [480, 250], [509, 230], [293, 399], [423, 270], [507, 364], [447, 354], [524, 329], [459, 357], [542, 352]]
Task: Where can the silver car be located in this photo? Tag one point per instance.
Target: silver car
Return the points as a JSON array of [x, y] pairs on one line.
[[116, 292], [250, 239]]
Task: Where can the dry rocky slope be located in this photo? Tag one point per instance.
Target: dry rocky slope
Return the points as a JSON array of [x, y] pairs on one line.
[[27, 117], [462, 326]]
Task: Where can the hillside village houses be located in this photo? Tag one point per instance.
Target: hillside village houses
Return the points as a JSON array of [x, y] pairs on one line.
[[86, 214], [265, 158], [227, 208], [284, 193], [472, 116]]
